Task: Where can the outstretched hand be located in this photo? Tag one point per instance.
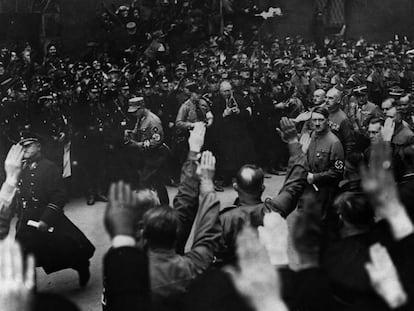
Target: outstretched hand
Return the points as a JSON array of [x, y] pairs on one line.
[[256, 278], [274, 236], [17, 278], [378, 181], [13, 163], [379, 184], [287, 130], [387, 130], [120, 215], [384, 277], [196, 139], [207, 166]]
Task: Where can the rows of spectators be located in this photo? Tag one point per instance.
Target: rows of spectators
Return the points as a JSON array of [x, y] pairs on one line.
[[337, 108]]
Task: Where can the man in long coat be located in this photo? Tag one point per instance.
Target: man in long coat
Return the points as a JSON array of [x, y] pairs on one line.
[[233, 142]]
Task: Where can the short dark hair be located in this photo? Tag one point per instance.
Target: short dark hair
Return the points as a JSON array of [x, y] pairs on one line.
[[322, 110], [252, 184], [160, 227], [375, 120], [354, 208]]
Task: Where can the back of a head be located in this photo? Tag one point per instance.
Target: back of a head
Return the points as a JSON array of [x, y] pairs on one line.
[[354, 208], [52, 302], [250, 179], [353, 162], [160, 227]]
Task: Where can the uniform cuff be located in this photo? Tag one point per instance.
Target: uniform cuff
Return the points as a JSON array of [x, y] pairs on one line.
[[194, 155], [206, 186], [295, 148], [123, 241], [7, 192]]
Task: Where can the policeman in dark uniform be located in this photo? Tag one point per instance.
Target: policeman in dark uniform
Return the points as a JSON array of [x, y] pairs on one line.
[[52, 125], [90, 144], [42, 228], [146, 151]]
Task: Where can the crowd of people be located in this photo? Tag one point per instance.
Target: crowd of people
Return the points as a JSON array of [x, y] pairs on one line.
[[336, 119]]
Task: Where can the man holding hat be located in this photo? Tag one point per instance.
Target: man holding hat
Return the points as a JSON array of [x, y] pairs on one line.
[[146, 152]]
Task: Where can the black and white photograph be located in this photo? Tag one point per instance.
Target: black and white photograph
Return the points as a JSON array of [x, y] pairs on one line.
[[206, 155]]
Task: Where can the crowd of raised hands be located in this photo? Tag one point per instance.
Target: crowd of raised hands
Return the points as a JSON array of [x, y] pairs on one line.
[[261, 252]]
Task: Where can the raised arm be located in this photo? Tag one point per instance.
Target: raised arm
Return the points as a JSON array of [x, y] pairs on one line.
[[13, 168], [207, 229], [285, 202], [186, 200]]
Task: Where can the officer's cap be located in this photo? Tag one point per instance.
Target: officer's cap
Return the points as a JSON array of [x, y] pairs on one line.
[[396, 91], [125, 86], [234, 75], [213, 78], [114, 70], [45, 98], [193, 87], [28, 138], [123, 8], [147, 83], [131, 25], [181, 67], [135, 103], [361, 90]]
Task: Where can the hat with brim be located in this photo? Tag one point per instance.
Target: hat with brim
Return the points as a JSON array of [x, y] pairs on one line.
[[396, 92], [360, 90], [193, 87], [131, 26], [135, 103], [28, 138]]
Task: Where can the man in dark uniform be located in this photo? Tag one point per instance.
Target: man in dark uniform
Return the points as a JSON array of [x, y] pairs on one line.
[[152, 100], [249, 185], [325, 157], [42, 228], [146, 151], [90, 144], [260, 125], [52, 125], [339, 123]]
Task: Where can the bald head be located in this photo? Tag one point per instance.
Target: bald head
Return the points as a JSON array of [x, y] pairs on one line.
[[250, 179], [333, 99], [319, 97], [225, 89]]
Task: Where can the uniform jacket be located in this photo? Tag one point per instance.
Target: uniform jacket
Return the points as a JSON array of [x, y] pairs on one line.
[[190, 113], [148, 130], [342, 127], [232, 218], [41, 192], [42, 197], [325, 158]]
